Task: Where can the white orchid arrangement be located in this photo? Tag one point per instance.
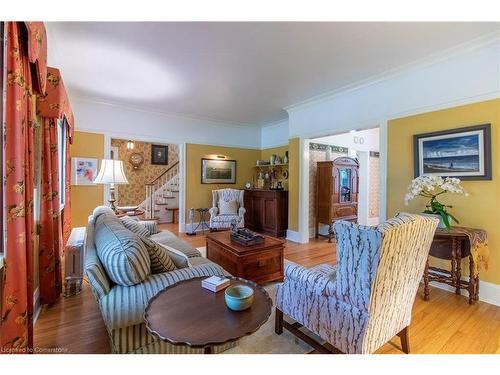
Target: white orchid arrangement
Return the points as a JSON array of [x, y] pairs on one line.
[[432, 187]]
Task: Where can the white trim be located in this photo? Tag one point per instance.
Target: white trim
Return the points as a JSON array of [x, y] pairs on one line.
[[293, 236], [174, 115], [274, 124], [281, 144], [488, 292], [107, 155], [373, 221], [184, 227], [159, 139], [37, 308], [182, 186], [304, 191], [472, 45], [383, 171]]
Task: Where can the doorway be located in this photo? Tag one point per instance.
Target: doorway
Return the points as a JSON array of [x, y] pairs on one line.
[[363, 146]]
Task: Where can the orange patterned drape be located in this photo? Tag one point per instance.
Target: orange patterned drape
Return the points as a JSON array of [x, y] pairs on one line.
[[37, 53], [16, 325], [50, 218]]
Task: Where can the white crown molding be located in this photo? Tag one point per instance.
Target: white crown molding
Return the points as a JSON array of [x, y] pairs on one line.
[[209, 121], [139, 138], [274, 145], [463, 48], [274, 124]]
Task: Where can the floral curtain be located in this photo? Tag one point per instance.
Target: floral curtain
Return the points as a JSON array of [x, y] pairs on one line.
[[54, 104], [16, 324], [50, 219], [37, 53]]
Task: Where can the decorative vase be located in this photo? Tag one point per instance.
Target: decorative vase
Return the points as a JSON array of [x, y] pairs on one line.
[[272, 159], [285, 158], [441, 224]]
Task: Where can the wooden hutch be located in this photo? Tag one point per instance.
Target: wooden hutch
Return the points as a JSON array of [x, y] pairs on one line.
[[337, 187], [266, 211]]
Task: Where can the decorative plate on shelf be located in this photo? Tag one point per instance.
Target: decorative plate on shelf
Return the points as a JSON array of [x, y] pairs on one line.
[[285, 174], [136, 159]]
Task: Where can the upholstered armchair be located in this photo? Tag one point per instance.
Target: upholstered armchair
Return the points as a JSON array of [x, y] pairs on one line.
[[366, 299], [227, 205]]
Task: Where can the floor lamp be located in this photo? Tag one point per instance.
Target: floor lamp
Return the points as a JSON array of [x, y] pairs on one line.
[[111, 173]]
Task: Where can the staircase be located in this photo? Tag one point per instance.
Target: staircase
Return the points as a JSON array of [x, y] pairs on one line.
[[162, 196]]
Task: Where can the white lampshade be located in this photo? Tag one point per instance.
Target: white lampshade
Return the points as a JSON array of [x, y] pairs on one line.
[[111, 172]]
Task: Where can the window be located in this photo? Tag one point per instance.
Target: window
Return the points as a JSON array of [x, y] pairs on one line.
[[61, 157]]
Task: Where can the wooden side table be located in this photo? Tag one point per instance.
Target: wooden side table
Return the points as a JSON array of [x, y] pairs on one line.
[[187, 314], [452, 245]]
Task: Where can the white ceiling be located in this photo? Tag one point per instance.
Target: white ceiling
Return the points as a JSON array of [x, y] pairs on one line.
[[236, 72]]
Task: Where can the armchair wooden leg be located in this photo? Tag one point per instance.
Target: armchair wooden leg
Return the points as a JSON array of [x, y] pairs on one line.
[[278, 322], [404, 335]]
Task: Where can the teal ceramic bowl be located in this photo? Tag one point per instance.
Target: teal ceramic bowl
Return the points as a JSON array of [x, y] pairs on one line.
[[239, 297]]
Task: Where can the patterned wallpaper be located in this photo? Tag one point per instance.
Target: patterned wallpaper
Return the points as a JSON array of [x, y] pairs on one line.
[[134, 192], [373, 188]]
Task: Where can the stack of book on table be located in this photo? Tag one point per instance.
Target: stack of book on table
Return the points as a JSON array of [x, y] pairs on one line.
[[215, 283]]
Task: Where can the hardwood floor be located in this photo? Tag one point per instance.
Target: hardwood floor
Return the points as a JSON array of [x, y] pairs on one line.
[[445, 324]]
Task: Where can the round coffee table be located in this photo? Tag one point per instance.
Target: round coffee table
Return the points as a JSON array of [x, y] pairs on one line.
[[187, 314]]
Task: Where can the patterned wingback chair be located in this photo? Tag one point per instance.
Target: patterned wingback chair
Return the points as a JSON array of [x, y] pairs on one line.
[[220, 221], [366, 299]]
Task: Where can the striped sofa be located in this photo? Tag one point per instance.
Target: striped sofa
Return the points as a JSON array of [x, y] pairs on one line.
[[122, 307], [367, 297]]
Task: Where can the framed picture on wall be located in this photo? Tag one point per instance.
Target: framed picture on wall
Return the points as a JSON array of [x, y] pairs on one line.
[[464, 153], [218, 171], [83, 171], [159, 154]]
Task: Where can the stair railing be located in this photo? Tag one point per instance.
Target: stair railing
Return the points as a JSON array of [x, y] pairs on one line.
[[154, 189]]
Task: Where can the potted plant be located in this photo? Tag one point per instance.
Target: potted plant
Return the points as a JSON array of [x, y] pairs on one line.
[[432, 187]]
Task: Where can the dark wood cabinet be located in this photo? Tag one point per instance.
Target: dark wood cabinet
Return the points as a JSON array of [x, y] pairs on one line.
[[266, 211], [337, 187]]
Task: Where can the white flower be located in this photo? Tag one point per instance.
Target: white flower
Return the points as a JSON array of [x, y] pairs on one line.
[[431, 186]]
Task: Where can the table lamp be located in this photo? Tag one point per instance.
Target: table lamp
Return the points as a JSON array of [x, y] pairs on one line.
[[111, 173]]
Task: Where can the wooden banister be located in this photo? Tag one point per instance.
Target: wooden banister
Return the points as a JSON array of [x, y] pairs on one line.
[[163, 173]]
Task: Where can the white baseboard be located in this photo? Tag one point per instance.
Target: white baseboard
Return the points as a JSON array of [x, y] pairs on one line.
[[373, 221], [184, 228], [293, 236], [488, 292], [36, 304]]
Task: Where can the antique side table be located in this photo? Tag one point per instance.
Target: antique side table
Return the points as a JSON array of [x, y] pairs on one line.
[[187, 314], [453, 245]]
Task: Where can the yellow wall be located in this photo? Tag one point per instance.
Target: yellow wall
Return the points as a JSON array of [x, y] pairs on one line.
[[200, 195], [481, 209], [293, 183], [85, 198]]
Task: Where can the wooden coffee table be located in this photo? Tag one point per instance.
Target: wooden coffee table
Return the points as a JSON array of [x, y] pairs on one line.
[[259, 263], [187, 314]]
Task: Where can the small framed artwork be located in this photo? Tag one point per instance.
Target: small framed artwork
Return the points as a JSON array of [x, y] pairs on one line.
[[83, 171], [464, 153], [159, 154], [218, 171]]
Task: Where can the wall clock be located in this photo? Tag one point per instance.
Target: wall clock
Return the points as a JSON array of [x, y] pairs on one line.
[[136, 159]]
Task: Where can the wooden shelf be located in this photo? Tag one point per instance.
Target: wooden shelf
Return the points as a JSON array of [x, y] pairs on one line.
[[271, 165]]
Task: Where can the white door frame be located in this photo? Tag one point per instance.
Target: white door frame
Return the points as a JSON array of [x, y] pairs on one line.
[[303, 234], [182, 155]]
